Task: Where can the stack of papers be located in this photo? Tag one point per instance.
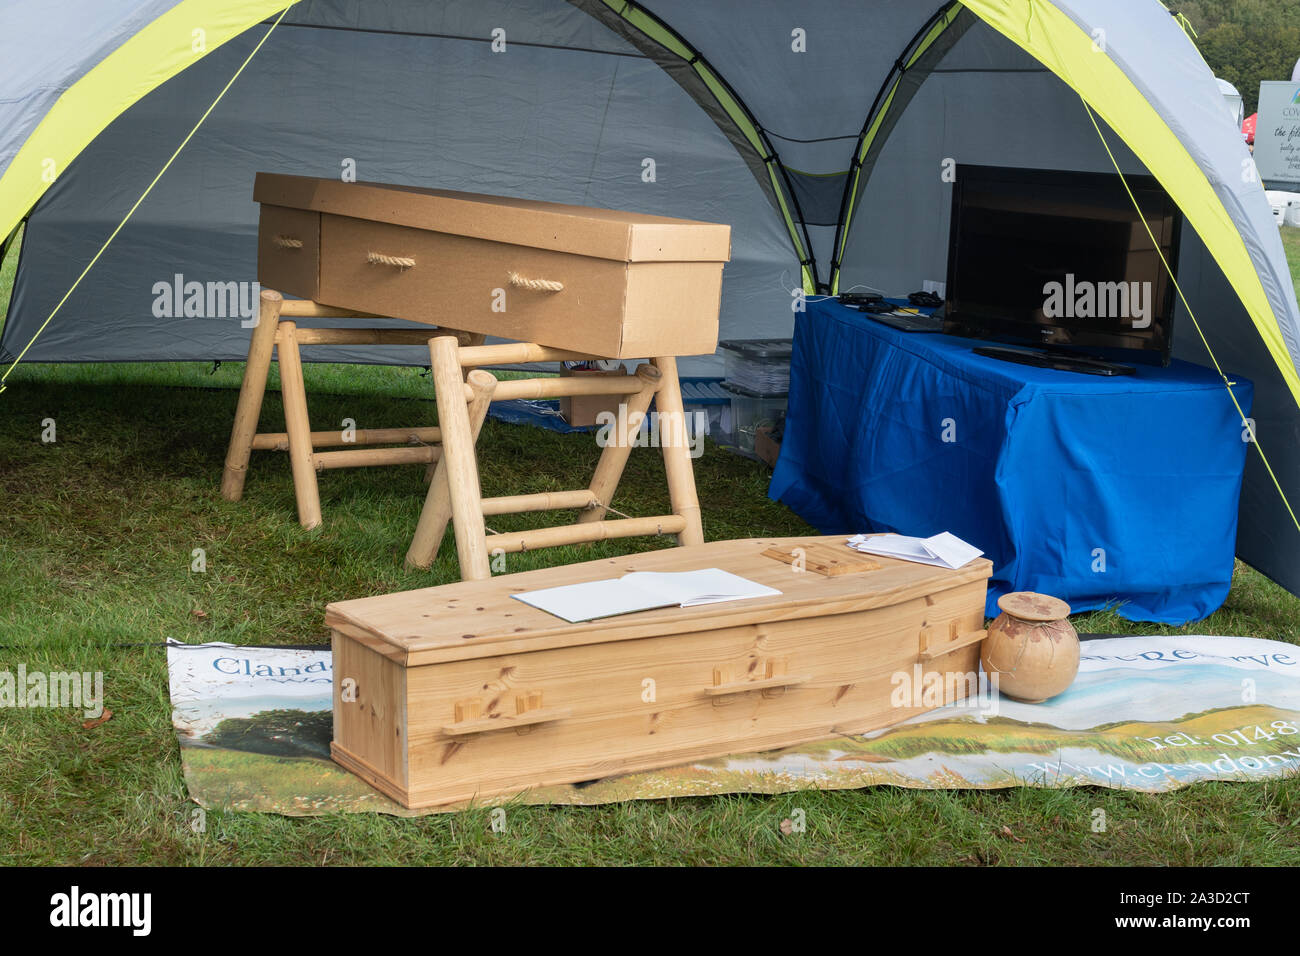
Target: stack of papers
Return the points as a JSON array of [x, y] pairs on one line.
[[642, 591], [941, 551]]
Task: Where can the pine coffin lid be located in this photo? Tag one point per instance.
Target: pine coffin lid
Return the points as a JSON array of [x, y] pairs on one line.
[[473, 619]]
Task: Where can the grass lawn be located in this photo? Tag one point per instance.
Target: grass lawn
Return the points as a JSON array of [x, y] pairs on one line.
[[96, 535]]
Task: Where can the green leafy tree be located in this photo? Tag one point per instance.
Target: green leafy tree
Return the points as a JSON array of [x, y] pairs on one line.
[[1246, 41]]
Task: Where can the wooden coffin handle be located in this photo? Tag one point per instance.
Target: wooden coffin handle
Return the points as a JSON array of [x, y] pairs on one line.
[[528, 712], [767, 683], [383, 259], [947, 647], [484, 725], [288, 242], [535, 285]]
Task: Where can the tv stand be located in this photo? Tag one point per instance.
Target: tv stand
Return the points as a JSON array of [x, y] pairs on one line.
[[1062, 361]]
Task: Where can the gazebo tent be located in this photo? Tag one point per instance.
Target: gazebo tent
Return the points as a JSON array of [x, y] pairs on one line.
[[819, 130]]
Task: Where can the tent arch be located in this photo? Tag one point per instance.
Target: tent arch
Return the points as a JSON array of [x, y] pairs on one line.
[[1063, 45], [924, 49], [647, 31], [165, 47], [983, 103]]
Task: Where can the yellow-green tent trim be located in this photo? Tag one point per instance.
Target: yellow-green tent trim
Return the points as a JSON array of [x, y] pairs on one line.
[[169, 44], [1057, 42]]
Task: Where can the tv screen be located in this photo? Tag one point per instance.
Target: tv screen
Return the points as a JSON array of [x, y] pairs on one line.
[[1061, 260]]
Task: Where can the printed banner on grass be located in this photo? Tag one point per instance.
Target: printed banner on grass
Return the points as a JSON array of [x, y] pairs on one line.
[[1145, 713]]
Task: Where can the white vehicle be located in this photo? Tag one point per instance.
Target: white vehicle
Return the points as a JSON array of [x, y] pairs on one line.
[[1286, 207], [1232, 99]]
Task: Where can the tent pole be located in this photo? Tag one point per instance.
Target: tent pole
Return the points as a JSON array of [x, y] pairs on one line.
[[855, 167]]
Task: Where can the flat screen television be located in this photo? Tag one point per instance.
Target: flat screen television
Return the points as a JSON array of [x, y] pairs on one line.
[[1060, 260]]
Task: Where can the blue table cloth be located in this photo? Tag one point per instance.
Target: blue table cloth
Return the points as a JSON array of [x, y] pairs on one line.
[[1095, 489]]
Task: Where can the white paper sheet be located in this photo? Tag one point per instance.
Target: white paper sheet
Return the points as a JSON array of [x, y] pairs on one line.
[[642, 591], [943, 550]]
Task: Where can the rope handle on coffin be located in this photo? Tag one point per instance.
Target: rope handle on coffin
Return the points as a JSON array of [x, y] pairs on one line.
[[535, 285], [383, 259], [288, 242]]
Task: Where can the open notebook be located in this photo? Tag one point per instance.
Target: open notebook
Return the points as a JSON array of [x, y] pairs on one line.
[[642, 591]]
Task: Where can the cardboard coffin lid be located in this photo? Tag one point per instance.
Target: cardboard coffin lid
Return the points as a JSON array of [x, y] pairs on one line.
[[580, 230], [473, 619]]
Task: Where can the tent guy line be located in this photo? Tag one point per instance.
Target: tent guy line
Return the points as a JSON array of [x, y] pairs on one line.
[[143, 196], [1191, 314]]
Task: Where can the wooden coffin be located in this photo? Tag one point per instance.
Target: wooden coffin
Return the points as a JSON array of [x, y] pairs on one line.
[[457, 692], [597, 281]]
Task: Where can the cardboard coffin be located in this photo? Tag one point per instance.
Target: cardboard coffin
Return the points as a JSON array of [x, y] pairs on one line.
[[458, 692], [598, 281]]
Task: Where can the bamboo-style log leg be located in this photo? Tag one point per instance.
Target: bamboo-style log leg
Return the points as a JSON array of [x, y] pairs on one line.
[[251, 391], [613, 459], [461, 462], [437, 502], [293, 392], [677, 453], [466, 340]]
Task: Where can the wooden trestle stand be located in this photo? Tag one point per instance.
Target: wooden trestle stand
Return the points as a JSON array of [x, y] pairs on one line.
[[454, 492], [277, 332]]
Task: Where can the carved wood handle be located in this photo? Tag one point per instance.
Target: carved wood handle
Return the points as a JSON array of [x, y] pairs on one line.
[[528, 712], [773, 669], [484, 725], [939, 649], [767, 683]]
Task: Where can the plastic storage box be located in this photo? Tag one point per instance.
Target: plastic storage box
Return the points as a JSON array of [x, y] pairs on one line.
[[708, 396], [750, 411], [760, 365]]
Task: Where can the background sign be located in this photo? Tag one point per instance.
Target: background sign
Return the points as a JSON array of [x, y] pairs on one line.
[[1277, 133]]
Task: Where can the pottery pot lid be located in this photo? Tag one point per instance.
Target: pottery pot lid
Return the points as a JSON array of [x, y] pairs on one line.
[[1032, 606]]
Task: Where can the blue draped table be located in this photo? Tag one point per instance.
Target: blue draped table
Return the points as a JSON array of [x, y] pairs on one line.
[[1099, 490]]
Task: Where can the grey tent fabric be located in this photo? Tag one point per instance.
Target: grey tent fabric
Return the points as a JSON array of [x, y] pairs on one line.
[[55, 52], [995, 102], [1187, 97], [541, 120], [1000, 120], [1266, 535]]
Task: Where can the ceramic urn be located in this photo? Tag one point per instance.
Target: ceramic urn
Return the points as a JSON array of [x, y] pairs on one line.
[[1031, 648]]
